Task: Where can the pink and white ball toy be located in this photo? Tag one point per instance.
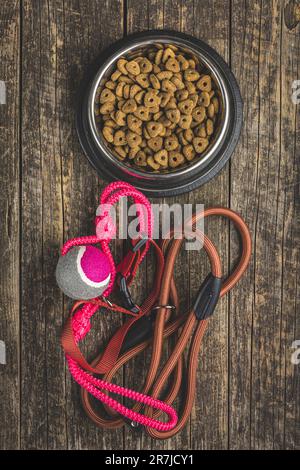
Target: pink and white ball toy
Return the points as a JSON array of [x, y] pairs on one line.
[[84, 272]]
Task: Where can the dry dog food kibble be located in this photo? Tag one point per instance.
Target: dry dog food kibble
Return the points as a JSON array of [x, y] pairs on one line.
[[159, 109]]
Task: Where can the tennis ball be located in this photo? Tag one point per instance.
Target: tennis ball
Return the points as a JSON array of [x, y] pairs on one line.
[[83, 273]]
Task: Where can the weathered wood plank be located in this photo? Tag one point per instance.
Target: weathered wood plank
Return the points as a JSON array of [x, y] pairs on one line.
[[209, 423], [60, 193], [264, 179], [245, 64], [288, 433], [9, 233], [42, 365]]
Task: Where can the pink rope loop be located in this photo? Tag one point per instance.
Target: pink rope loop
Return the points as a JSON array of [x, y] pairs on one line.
[[81, 326], [110, 196], [92, 385], [115, 191], [81, 320], [91, 240]]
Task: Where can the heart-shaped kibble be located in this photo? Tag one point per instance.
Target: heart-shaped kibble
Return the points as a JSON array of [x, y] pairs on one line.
[[107, 107], [171, 142], [121, 65], [107, 95], [161, 157], [189, 152], [204, 84], [172, 65], [204, 99], [155, 143], [182, 95], [173, 115], [152, 163], [145, 65], [120, 118], [133, 67], [186, 106], [108, 134], [168, 54], [133, 122], [133, 140], [151, 99], [140, 158], [199, 114], [175, 159], [191, 75], [185, 121], [142, 113], [154, 81], [142, 79], [130, 106], [154, 128], [200, 130], [120, 138], [200, 144]]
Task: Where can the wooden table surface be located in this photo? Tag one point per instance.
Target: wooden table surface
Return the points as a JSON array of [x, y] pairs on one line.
[[248, 387]]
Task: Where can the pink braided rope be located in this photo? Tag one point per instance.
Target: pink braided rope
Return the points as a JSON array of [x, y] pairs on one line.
[[81, 319], [92, 385], [110, 196], [81, 325]]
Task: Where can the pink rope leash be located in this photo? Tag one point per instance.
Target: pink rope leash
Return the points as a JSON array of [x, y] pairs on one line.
[[81, 319], [92, 385]]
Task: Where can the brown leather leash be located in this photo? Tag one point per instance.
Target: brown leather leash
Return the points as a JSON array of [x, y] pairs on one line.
[[158, 320]]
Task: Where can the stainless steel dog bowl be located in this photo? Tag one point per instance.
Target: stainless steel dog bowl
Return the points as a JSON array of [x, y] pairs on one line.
[[190, 175]]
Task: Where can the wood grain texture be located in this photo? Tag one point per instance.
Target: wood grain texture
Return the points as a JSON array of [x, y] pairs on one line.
[[9, 213], [209, 421], [289, 206], [60, 193], [244, 61], [247, 386], [264, 181], [43, 421]]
